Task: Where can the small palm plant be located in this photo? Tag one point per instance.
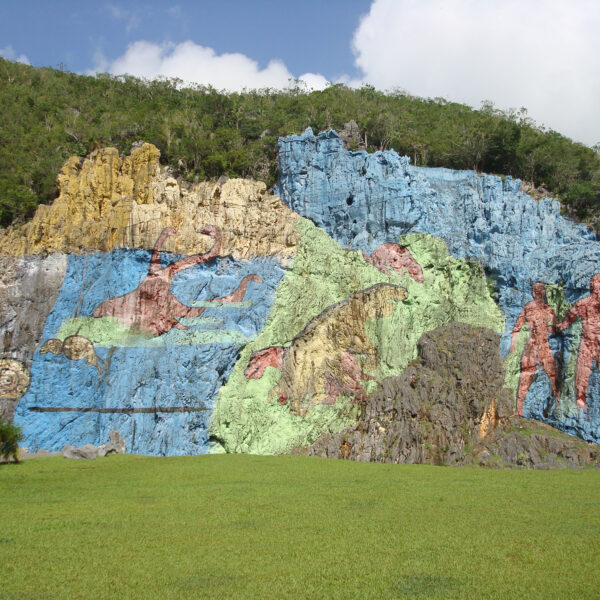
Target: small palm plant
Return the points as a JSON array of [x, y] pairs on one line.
[[10, 436]]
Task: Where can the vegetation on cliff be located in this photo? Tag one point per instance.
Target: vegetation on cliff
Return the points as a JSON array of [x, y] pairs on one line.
[[49, 115]]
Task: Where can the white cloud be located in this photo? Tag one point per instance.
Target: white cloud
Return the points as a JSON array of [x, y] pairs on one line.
[[199, 64], [541, 54], [313, 81], [9, 53]]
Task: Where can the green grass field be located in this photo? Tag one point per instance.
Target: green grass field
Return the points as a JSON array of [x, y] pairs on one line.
[[232, 526]]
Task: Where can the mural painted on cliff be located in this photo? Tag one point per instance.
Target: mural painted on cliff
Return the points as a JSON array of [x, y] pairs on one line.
[[74, 347], [176, 350], [148, 361], [365, 201], [588, 310], [568, 370], [14, 379], [322, 361], [394, 256], [151, 308], [541, 321], [330, 340]]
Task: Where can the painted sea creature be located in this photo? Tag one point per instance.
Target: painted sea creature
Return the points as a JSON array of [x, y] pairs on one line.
[[74, 347], [151, 307]]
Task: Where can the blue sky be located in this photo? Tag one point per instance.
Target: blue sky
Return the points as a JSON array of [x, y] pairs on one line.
[[311, 35], [540, 54]]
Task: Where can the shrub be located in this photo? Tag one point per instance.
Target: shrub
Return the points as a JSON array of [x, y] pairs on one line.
[[10, 436]]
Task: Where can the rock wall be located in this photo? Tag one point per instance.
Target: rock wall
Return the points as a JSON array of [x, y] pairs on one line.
[[184, 299], [106, 202], [437, 411], [447, 409], [29, 287], [365, 200], [216, 317], [252, 416]]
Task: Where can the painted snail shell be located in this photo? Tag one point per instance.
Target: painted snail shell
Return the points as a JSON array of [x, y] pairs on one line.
[[14, 379]]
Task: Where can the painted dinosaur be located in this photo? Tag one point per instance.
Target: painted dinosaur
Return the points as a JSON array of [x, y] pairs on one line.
[[322, 361], [396, 257]]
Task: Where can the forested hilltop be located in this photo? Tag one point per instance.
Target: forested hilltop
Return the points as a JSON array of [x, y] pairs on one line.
[[48, 115]]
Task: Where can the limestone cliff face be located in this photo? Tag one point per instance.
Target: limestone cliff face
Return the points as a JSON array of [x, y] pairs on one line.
[[92, 211], [448, 409], [344, 326], [217, 317], [29, 287], [435, 412], [107, 202], [72, 372], [365, 200]]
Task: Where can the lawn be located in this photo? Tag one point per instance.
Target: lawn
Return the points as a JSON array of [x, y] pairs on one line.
[[232, 526]]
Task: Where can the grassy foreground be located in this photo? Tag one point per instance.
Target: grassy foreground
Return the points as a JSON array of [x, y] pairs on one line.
[[232, 526]]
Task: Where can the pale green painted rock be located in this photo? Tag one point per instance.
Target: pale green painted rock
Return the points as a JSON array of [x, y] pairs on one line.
[[249, 418]]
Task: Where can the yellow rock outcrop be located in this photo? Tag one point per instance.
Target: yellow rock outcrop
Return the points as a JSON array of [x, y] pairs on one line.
[[315, 356], [107, 202], [252, 222]]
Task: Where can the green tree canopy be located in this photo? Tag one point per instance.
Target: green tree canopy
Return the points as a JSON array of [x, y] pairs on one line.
[[49, 115]]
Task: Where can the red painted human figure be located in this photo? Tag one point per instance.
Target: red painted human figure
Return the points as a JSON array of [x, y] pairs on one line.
[[588, 309], [151, 307], [542, 321]]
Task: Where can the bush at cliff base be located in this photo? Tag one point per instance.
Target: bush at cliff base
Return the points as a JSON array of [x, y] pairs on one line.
[[10, 436]]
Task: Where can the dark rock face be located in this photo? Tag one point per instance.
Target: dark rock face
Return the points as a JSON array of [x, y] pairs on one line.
[[29, 287], [450, 407], [350, 136], [530, 444], [435, 409]]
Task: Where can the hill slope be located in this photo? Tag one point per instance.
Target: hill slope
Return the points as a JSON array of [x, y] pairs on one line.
[[50, 115]]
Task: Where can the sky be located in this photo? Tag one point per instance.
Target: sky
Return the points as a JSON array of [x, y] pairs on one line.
[[543, 55]]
